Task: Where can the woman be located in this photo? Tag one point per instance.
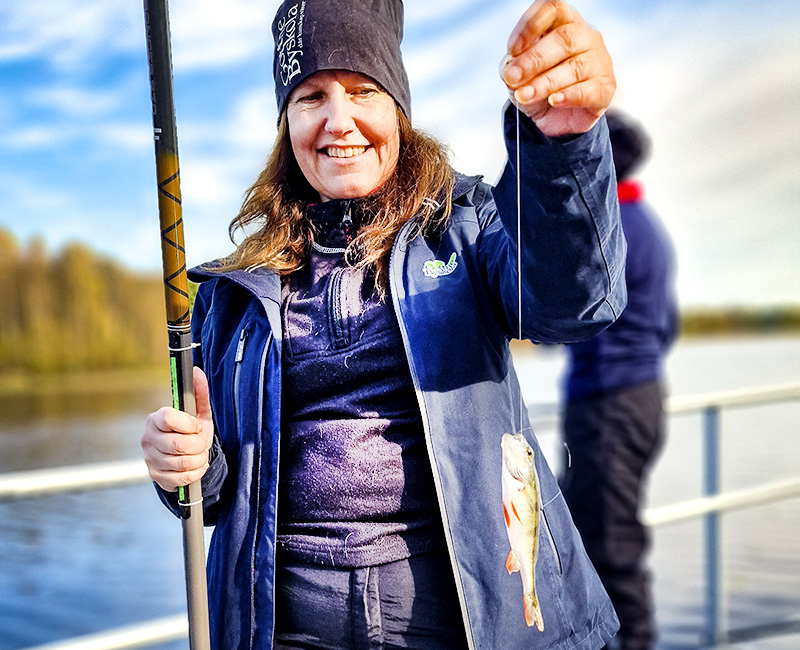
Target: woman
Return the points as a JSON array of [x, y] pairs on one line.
[[357, 376]]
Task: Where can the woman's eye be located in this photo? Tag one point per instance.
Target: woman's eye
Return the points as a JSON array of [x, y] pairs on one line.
[[311, 97]]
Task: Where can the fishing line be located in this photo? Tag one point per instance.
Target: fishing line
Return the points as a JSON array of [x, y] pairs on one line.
[[519, 253]]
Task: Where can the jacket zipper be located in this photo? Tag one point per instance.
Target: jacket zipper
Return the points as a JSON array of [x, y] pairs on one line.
[[347, 222], [340, 338], [339, 330], [240, 348], [237, 371], [428, 443]]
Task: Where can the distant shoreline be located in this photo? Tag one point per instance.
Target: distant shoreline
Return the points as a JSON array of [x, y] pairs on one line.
[[14, 384]]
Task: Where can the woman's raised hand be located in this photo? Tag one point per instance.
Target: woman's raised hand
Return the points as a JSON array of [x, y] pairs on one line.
[[176, 444], [558, 70]]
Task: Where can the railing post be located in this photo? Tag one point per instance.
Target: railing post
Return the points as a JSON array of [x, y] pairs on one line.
[[713, 546]]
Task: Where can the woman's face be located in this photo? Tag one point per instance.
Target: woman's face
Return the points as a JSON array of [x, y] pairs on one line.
[[344, 133]]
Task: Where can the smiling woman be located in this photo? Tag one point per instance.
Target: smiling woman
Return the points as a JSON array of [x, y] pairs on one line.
[[354, 374]]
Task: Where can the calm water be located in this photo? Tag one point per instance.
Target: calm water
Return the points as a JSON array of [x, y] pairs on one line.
[[76, 564]]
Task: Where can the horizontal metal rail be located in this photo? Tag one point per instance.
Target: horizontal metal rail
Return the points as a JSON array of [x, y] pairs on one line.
[[696, 508], [732, 398], [142, 635], [78, 478], [684, 404]]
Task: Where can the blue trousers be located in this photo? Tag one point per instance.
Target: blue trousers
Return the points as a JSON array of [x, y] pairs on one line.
[[406, 604]]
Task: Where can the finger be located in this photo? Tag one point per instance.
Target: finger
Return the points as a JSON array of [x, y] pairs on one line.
[[557, 46], [171, 481], [179, 444], [171, 420], [593, 94], [201, 395], [575, 70], [541, 17]]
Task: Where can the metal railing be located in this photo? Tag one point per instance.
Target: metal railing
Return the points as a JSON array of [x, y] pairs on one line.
[[23, 485], [713, 504]]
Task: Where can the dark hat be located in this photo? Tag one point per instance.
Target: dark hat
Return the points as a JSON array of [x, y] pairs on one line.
[[630, 144], [357, 35]]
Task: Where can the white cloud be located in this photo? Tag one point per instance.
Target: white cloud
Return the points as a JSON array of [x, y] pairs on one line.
[[126, 137], [211, 34], [69, 34], [76, 101]]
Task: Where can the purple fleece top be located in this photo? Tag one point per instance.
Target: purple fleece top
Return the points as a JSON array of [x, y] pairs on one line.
[[355, 488]]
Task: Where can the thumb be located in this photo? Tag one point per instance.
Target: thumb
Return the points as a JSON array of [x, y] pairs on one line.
[[201, 397]]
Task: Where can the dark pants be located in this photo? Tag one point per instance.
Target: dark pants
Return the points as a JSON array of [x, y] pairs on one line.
[[612, 440], [407, 604]]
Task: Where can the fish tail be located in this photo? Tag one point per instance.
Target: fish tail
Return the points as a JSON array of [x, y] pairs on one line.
[[533, 613]]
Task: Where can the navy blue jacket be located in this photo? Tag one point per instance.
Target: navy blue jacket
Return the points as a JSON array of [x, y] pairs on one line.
[[631, 351], [456, 326]]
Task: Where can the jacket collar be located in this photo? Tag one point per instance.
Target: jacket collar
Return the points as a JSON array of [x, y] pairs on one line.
[[464, 184], [262, 282]]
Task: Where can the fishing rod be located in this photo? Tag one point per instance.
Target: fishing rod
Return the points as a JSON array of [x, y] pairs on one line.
[[176, 293]]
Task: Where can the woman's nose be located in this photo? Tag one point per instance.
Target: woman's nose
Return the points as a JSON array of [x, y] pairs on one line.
[[339, 117]]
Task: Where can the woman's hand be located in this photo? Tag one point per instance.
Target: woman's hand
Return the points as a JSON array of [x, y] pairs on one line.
[[558, 70], [176, 444]]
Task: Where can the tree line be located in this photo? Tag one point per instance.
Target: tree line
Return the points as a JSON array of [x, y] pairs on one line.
[[736, 320], [76, 310]]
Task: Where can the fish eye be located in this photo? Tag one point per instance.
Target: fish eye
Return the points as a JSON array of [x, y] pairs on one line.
[[529, 452]]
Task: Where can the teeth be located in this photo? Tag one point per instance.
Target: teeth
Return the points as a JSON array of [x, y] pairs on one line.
[[344, 152]]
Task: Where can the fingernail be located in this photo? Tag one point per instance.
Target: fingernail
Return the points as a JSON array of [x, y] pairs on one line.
[[525, 94], [555, 98], [512, 74]]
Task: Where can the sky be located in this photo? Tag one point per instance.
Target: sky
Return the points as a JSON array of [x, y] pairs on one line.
[[716, 83]]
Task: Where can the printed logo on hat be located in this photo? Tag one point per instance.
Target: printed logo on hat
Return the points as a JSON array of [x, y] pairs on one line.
[[290, 42]]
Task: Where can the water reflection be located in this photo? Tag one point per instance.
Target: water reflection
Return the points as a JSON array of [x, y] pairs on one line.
[[81, 563], [53, 429]]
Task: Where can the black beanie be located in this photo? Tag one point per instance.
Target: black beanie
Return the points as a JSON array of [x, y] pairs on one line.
[[630, 144], [356, 35]]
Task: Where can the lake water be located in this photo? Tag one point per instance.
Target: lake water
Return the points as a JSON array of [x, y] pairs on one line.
[[76, 564]]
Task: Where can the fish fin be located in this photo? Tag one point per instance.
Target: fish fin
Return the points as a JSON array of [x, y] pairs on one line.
[[533, 614], [505, 516], [512, 564]]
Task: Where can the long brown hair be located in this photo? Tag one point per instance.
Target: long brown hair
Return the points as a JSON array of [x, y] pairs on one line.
[[280, 235]]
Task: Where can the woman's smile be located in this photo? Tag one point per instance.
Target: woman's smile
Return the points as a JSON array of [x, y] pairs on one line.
[[344, 152]]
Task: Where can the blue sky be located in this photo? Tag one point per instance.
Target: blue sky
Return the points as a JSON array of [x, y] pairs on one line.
[[716, 83]]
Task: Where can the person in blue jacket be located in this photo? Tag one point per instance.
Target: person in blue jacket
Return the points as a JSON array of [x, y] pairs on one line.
[[614, 424], [354, 378]]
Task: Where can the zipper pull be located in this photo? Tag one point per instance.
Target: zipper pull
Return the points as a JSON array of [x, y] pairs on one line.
[[347, 222], [240, 346]]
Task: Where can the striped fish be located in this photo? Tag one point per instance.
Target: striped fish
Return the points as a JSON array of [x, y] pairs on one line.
[[521, 505]]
